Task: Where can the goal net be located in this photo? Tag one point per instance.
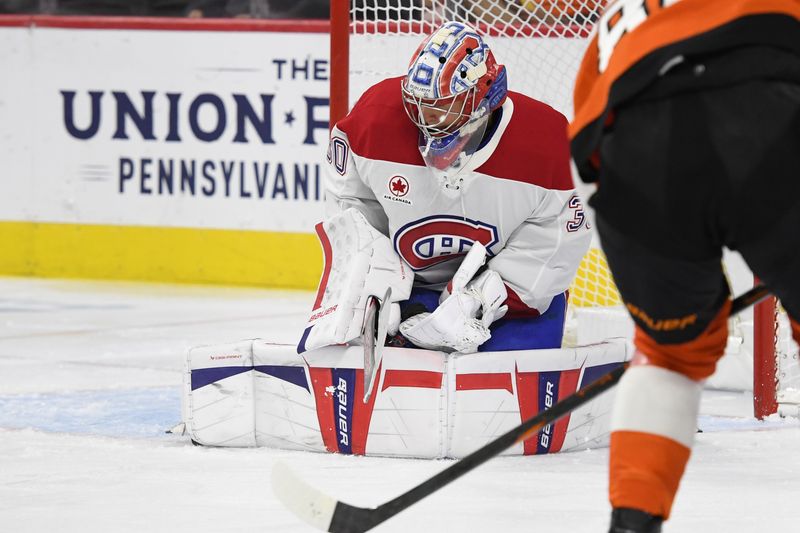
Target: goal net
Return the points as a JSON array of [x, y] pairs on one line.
[[541, 43]]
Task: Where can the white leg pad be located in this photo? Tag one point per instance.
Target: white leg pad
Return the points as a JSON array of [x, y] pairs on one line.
[[425, 403], [218, 401]]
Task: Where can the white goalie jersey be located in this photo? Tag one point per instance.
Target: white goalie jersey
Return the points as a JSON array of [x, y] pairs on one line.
[[516, 196]]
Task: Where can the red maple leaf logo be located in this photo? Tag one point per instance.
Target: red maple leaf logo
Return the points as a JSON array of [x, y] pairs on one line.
[[399, 187]]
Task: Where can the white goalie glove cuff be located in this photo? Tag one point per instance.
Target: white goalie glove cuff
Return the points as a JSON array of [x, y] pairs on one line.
[[490, 289]]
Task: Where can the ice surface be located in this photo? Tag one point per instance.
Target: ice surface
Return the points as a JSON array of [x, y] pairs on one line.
[[90, 377]]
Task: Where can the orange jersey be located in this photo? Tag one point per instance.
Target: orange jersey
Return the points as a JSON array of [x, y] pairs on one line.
[[635, 41]]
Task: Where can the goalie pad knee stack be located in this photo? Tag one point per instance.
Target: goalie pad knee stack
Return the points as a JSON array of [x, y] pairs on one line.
[[425, 404]]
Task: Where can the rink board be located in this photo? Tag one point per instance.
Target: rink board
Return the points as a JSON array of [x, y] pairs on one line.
[[167, 149], [184, 255], [163, 150]]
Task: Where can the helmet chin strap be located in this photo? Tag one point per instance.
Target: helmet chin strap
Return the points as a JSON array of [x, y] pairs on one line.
[[425, 151]]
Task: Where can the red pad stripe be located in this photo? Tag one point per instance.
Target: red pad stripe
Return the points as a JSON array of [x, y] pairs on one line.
[[528, 398], [362, 415], [484, 382], [327, 253], [567, 385], [422, 379], [321, 379]]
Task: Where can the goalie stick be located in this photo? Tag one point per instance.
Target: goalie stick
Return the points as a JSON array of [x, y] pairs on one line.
[[328, 514], [373, 337]]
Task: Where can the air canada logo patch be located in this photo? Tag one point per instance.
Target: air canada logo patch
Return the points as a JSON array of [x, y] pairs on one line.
[[398, 189], [398, 186], [432, 240]]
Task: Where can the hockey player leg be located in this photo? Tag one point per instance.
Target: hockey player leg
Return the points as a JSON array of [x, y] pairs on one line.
[[651, 442], [654, 423]]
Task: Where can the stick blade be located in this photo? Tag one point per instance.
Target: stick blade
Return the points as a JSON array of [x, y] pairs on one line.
[[369, 340], [372, 360], [317, 508], [306, 502]]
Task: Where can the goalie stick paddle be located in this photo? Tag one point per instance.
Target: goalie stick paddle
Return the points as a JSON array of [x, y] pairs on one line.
[[328, 514], [376, 323]]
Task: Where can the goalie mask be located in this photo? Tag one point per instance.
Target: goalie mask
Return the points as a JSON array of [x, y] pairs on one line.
[[452, 86]]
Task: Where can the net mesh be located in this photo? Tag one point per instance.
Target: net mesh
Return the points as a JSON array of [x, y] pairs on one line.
[[385, 33], [541, 43], [788, 356], [593, 285]]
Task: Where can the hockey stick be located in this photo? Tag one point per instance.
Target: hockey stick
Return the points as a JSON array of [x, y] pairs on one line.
[[329, 514], [376, 322]]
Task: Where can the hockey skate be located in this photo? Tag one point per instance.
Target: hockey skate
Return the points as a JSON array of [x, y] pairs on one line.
[[634, 521]]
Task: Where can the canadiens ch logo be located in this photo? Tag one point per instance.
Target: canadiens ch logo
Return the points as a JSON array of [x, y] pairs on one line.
[[435, 239], [398, 188]]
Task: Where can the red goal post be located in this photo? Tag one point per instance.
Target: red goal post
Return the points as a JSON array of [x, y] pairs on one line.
[[541, 43]]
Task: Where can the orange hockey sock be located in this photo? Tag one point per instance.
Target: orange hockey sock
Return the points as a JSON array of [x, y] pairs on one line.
[[645, 471]]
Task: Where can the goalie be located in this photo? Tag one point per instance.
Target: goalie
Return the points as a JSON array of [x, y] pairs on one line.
[[449, 198], [456, 194]]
